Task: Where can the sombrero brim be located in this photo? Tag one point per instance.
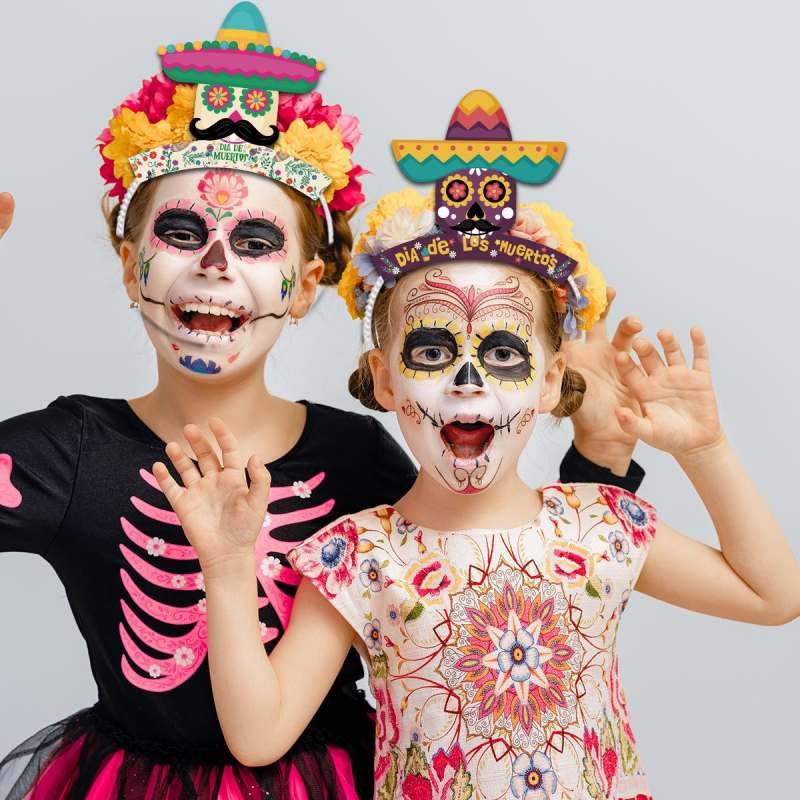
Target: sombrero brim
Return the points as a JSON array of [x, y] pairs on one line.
[[427, 160]]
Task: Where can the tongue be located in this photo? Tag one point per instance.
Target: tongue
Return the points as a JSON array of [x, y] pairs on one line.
[[467, 441], [212, 323]]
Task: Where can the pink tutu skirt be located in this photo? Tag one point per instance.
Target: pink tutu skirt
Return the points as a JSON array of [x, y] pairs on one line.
[[85, 758]]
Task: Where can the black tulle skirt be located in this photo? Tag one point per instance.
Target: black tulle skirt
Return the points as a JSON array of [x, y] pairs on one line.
[[86, 757]]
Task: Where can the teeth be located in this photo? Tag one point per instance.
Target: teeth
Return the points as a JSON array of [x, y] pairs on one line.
[[216, 311]]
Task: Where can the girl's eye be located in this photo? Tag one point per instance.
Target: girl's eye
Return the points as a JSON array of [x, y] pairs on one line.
[[505, 356], [429, 349], [256, 237], [182, 229]]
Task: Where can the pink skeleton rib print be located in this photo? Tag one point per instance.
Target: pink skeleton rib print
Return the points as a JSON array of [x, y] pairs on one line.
[[182, 655]]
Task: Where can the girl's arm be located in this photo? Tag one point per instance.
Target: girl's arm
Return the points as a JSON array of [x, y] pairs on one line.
[[264, 703], [754, 576]]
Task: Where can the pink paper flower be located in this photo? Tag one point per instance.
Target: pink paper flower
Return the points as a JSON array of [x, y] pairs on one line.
[[530, 225], [154, 97]]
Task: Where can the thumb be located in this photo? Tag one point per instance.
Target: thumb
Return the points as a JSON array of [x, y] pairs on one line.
[[634, 425], [260, 482]]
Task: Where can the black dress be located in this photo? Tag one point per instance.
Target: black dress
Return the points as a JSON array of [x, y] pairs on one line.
[[76, 488]]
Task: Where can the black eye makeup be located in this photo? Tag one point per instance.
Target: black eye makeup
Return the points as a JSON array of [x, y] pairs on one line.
[[181, 228], [429, 349], [256, 237], [505, 356]]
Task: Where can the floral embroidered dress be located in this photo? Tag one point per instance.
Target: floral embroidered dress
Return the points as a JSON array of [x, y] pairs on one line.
[[493, 652]]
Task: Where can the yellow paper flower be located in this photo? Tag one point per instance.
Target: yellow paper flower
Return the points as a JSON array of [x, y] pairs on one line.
[[321, 147], [347, 289], [132, 132], [595, 290]]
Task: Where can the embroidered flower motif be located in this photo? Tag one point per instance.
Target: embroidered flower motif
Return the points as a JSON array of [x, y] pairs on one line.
[[405, 528], [568, 563], [618, 545], [393, 614], [184, 656], [533, 777], [372, 635], [432, 578], [154, 671], [179, 581], [270, 567], [329, 559], [637, 517], [554, 505], [156, 547], [619, 703], [223, 189], [513, 658], [387, 732], [371, 575], [301, 489]]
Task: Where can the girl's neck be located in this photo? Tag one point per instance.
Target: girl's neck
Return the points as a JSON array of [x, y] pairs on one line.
[[264, 424], [507, 503]]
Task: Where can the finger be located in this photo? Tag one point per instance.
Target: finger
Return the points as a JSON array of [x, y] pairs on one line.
[[6, 212], [206, 457], [260, 481], [228, 444], [631, 374], [172, 490], [648, 355], [634, 425], [672, 349], [183, 464], [627, 330], [701, 356], [599, 331]]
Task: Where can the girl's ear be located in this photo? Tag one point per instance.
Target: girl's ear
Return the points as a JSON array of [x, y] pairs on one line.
[[381, 379], [551, 385], [310, 277], [130, 280]]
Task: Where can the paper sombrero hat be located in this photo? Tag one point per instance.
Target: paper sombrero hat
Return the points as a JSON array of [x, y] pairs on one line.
[[478, 136]]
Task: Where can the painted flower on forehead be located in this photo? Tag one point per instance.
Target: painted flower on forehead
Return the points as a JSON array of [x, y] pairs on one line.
[[224, 189]]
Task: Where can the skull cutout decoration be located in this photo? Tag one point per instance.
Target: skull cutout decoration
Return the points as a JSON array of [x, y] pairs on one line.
[[476, 202]]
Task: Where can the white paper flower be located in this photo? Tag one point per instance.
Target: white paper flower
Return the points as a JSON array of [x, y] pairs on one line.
[[403, 226]]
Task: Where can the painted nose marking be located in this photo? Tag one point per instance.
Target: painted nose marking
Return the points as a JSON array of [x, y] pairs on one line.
[[215, 258], [468, 375]]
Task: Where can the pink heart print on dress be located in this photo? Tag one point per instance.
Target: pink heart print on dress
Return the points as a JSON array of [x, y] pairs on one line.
[[10, 496]]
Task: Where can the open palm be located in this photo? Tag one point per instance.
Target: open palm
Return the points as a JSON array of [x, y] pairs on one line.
[[6, 212], [221, 516], [678, 409]]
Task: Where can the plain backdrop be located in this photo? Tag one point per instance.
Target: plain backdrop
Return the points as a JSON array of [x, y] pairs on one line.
[[682, 171]]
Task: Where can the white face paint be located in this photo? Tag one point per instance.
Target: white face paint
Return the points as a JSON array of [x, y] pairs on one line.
[[218, 265], [467, 371]]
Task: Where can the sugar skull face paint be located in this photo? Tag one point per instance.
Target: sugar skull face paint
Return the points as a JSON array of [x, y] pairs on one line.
[[217, 268], [467, 371]]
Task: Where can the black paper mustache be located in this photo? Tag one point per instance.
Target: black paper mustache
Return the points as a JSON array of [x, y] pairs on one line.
[[245, 130]]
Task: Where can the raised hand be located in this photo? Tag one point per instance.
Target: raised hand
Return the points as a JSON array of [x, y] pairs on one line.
[[220, 515], [598, 434], [6, 212], [678, 410]]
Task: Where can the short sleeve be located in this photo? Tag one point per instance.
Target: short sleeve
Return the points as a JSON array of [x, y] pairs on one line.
[[330, 560], [392, 471], [39, 454]]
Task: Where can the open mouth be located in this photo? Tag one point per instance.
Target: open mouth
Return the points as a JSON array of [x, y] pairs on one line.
[[475, 227], [467, 440], [217, 320]]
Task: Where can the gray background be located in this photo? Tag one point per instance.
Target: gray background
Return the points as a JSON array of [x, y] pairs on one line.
[[682, 124]]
